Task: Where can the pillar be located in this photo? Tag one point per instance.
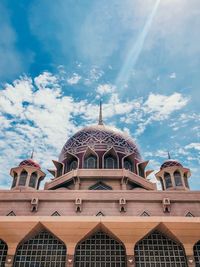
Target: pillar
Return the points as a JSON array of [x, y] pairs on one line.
[[9, 260]]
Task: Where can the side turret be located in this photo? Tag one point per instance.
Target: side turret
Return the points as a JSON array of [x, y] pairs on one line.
[[27, 175], [173, 176]]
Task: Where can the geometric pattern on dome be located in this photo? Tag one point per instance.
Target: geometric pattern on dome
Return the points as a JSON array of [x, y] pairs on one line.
[[170, 163], [95, 136], [30, 163]]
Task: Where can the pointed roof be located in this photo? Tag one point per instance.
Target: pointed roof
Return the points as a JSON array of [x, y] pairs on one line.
[[100, 114]]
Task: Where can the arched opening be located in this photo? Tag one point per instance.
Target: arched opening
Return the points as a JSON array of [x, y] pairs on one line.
[[110, 159], [100, 186], [3, 252], [197, 253], [128, 165], [158, 250], [168, 180], [23, 178], [43, 249], [90, 162], [73, 165], [186, 180], [100, 250], [71, 162], [14, 179], [33, 179], [177, 178]]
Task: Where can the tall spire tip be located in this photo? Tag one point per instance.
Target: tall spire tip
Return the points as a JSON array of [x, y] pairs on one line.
[[100, 114]]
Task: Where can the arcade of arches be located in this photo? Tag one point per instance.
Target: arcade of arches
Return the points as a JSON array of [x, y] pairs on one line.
[[99, 247]]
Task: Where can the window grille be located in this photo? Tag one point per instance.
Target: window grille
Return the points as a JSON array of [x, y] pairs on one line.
[[43, 250], [3, 252], [128, 165], [100, 186], [100, 250], [73, 165], [90, 162], [110, 163], [157, 250], [177, 178], [197, 253], [33, 179], [168, 180], [23, 177]]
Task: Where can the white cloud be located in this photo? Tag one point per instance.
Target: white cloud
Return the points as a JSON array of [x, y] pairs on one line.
[[106, 88], [193, 146], [172, 75], [74, 79]]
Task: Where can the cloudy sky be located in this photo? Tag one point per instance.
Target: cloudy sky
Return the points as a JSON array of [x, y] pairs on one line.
[[59, 58]]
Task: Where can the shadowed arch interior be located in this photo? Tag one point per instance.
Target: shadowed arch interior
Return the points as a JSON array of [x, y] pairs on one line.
[[3, 252], [197, 253], [43, 249], [101, 250], [158, 250]]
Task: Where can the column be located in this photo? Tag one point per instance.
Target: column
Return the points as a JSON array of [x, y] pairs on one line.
[[9, 260]]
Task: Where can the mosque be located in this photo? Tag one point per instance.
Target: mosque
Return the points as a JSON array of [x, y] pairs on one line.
[[100, 209]]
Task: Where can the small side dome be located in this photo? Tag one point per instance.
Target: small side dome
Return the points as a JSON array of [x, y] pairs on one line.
[[30, 163], [171, 163]]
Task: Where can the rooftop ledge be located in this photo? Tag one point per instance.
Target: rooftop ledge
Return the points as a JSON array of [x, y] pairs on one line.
[[100, 173]]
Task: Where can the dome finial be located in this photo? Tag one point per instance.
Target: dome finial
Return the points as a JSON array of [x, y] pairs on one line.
[[100, 114], [169, 156], [32, 153]]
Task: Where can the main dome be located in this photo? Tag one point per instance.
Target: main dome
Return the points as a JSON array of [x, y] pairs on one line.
[[100, 138]]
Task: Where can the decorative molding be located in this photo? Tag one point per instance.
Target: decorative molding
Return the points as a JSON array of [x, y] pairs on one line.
[[55, 213], [11, 214]]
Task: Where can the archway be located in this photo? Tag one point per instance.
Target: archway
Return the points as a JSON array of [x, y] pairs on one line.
[[100, 250], [158, 250], [3, 252], [42, 250]]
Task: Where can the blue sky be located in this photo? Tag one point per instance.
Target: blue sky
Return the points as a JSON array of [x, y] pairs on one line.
[[59, 58]]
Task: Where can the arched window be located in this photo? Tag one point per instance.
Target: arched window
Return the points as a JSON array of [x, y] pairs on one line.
[[42, 250], [3, 252], [158, 250], [161, 182], [73, 165], [90, 162], [100, 186], [128, 165], [23, 177], [168, 181], [100, 250], [177, 178], [197, 253], [14, 180], [33, 179], [110, 162], [186, 180]]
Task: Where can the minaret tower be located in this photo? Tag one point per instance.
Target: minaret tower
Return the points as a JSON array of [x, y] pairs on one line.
[[27, 175], [173, 176]]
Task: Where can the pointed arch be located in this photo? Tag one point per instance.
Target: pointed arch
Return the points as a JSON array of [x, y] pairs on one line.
[[71, 162], [168, 179], [100, 213], [90, 159], [128, 162], [11, 213], [23, 178], [38, 246], [15, 176], [196, 250], [177, 178], [101, 247], [110, 159], [100, 186], [3, 252], [33, 179], [153, 250]]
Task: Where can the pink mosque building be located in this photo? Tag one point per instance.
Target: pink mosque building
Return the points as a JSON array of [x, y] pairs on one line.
[[99, 209]]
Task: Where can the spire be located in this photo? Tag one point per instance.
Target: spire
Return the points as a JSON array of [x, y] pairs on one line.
[[100, 114], [32, 153], [169, 156]]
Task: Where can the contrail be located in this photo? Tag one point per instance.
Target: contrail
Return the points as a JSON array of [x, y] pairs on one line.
[[134, 53]]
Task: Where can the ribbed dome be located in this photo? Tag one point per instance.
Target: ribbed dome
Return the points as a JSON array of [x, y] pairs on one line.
[[170, 163], [99, 138], [30, 163]]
